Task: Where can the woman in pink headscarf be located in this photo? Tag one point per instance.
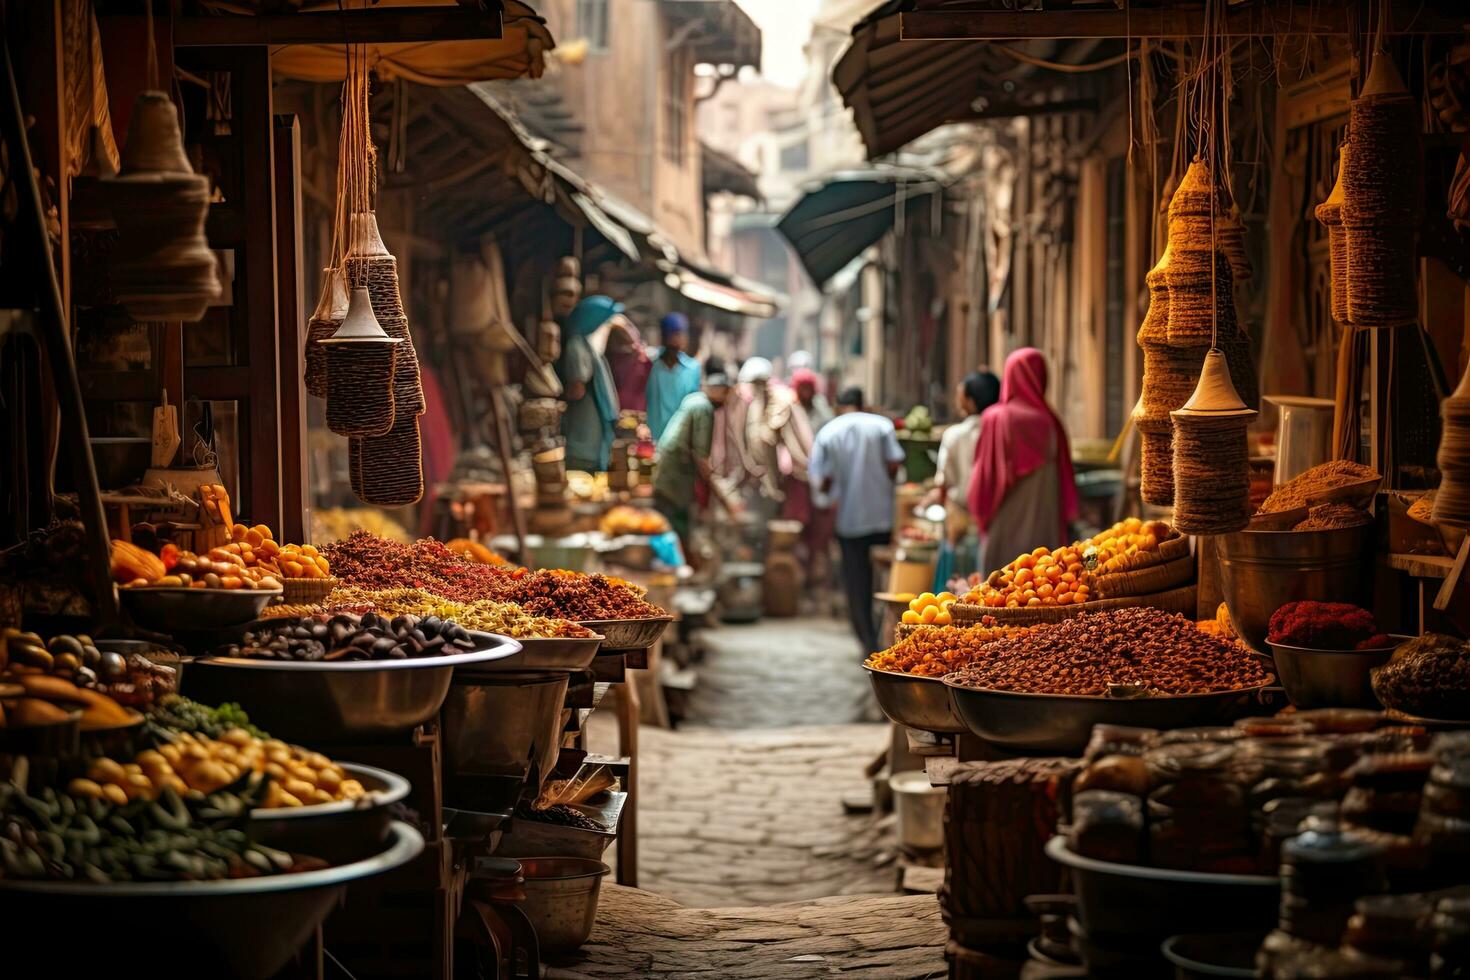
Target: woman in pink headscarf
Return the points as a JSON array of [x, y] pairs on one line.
[[1022, 492]]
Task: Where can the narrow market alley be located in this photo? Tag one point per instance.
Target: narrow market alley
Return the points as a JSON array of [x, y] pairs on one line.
[[749, 863]]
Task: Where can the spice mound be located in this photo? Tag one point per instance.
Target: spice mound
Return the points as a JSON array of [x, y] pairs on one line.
[[1307, 486], [1333, 517], [933, 651], [1428, 677], [578, 597], [505, 618], [1141, 649], [1325, 626]]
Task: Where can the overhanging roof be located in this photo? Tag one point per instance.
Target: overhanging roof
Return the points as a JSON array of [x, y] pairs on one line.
[[720, 32], [722, 172], [842, 214]]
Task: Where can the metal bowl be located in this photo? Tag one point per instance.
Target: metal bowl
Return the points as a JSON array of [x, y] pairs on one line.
[[172, 608], [561, 899], [337, 832], [1061, 724], [1261, 571], [317, 702], [1330, 678], [1130, 902], [628, 634], [242, 928], [915, 701], [545, 653]]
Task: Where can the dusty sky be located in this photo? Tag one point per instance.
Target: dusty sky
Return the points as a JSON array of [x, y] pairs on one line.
[[785, 26]]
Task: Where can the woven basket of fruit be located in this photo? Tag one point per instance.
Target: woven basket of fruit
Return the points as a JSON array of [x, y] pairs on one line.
[[1181, 600]]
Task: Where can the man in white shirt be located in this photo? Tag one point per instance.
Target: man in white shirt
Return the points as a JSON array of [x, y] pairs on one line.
[[854, 461]]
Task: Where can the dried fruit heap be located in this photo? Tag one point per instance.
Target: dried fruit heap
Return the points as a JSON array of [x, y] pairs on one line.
[[933, 651], [1429, 677], [1159, 652], [1067, 575]]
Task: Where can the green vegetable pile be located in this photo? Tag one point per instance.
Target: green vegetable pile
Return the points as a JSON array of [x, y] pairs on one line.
[[181, 714], [54, 836]]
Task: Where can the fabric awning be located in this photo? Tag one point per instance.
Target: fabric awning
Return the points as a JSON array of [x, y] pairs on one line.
[[520, 52], [722, 172], [841, 215], [720, 33], [734, 295]]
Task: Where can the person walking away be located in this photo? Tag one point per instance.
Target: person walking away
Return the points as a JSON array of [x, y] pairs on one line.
[[762, 436], [804, 502], [854, 460], [674, 374], [630, 365], [587, 382], [1022, 493], [683, 458], [977, 392]]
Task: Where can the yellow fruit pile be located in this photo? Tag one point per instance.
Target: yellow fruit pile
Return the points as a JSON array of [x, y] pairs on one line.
[[1067, 576], [929, 609]]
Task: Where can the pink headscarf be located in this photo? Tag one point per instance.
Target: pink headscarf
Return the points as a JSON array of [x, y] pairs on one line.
[[806, 376], [1017, 434]]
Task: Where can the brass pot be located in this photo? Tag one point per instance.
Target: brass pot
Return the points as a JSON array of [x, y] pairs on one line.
[[1261, 571]]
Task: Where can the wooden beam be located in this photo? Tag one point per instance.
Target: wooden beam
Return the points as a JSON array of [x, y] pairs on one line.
[[952, 24], [368, 26], [1010, 110]]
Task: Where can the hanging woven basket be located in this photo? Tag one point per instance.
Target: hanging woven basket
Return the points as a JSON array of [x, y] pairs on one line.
[[1211, 458], [1329, 213], [369, 265], [360, 372], [393, 465], [331, 309]]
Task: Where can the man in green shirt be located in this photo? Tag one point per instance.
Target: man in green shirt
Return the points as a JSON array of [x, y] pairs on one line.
[[683, 455]]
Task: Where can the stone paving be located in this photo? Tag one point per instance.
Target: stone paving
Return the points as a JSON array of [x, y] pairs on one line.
[[749, 865]]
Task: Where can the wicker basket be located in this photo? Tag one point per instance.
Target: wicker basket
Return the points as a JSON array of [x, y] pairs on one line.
[[1145, 581], [1180, 600], [306, 591]]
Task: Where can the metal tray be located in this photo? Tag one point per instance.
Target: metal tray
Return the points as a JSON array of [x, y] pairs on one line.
[[915, 701], [1061, 724], [322, 703], [172, 608], [1131, 903], [543, 653], [242, 928], [337, 832], [628, 634], [534, 838]]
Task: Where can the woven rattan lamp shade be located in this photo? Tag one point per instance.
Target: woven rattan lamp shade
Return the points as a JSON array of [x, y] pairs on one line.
[[331, 308], [1329, 213], [1211, 459], [360, 371]]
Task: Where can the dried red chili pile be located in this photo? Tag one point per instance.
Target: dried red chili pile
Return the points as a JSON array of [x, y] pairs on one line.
[[1162, 653], [1325, 626], [577, 597]]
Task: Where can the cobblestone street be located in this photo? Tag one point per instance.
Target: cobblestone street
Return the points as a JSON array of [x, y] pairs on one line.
[[749, 865]]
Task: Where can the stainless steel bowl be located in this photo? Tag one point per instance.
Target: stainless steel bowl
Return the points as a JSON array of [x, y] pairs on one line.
[[172, 608], [628, 634], [244, 928], [546, 653], [1261, 571], [338, 832], [324, 703], [500, 725], [1330, 678], [915, 701], [1061, 724], [561, 899]]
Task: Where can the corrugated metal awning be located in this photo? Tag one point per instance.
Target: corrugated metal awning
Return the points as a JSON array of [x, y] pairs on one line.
[[841, 215]]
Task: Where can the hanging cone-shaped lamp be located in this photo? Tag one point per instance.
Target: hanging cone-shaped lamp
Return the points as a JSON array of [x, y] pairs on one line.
[[1384, 80], [360, 363], [162, 268], [1211, 462], [331, 310]]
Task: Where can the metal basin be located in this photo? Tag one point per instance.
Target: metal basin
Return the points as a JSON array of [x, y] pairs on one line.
[[547, 653], [340, 832], [1330, 678], [236, 929], [173, 608], [1261, 571], [322, 703], [561, 899], [1061, 724], [500, 725], [628, 634], [915, 701]]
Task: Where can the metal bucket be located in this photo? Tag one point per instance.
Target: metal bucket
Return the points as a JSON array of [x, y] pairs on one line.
[[561, 899], [1261, 571], [498, 725], [919, 807], [1303, 434]]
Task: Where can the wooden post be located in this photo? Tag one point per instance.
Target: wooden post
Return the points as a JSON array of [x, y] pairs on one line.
[[295, 494]]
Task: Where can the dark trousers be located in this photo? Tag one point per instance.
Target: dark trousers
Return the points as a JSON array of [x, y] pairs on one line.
[[857, 580]]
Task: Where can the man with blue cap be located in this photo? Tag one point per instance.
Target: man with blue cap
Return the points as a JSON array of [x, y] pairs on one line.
[[674, 376]]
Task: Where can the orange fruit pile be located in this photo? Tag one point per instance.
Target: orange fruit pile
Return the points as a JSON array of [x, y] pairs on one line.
[[929, 609]]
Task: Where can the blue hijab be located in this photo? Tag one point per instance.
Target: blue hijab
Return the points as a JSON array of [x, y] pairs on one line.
[[589, 314]]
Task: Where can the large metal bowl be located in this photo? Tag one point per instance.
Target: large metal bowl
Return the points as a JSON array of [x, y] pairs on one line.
[[1130, 903], [171, 609], [628, 634], [1330, 678], [1261, 571], [915, 701], [235, 929], [338, 832], [546, 653], [1061, 724], [323, 703], [500, 725]]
